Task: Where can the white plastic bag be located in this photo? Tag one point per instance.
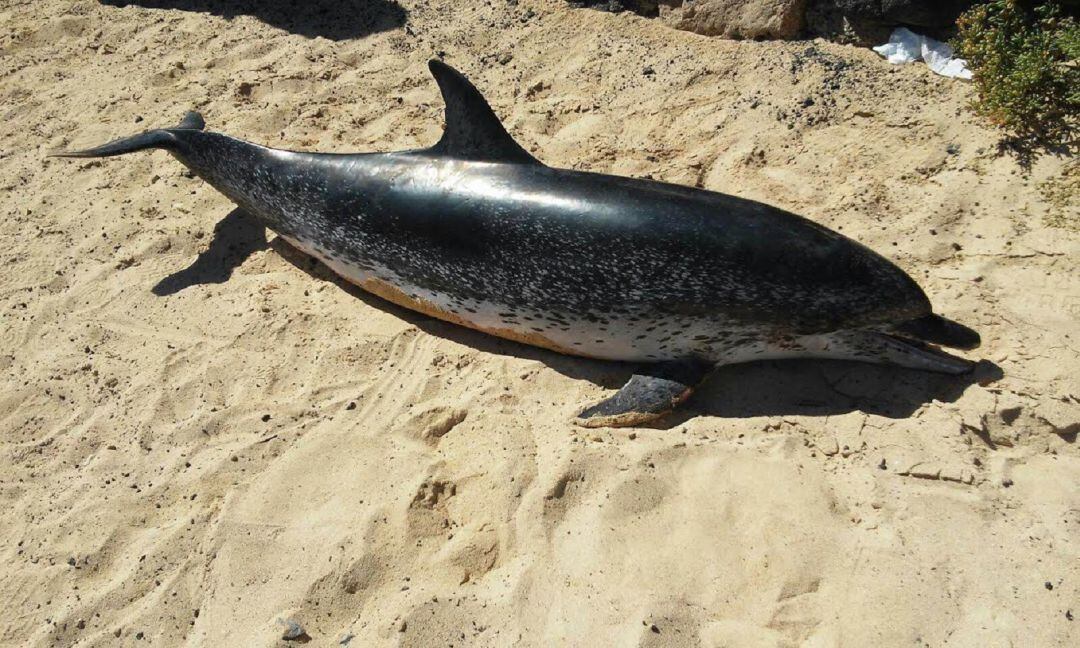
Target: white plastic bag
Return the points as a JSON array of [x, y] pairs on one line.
[[905, 46]]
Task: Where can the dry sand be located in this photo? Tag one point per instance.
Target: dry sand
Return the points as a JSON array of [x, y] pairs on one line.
[[203, 433]]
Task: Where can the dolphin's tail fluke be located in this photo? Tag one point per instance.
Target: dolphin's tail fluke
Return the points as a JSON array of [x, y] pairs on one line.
[[162, 138], [149, 140], [940, 330]]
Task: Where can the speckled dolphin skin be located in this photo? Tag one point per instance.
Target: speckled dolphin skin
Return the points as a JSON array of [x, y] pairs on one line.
[[476, 231]]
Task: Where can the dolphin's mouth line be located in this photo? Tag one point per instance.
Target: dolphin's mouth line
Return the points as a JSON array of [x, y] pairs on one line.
[[921, 345], [930, 352]]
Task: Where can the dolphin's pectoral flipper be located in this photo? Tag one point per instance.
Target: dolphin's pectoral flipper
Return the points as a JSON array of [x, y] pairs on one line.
[[473, 131], [647, 396]]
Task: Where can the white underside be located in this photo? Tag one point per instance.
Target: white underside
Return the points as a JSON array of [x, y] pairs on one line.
[[618, 342], [632, 341]]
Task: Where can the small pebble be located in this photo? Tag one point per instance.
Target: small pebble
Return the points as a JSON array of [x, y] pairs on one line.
[[294, 631]]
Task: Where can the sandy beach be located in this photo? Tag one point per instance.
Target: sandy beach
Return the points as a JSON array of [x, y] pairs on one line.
[[205, 435]]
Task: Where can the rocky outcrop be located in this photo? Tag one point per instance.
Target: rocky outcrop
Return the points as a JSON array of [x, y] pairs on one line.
[[739, 18], [858, 21]]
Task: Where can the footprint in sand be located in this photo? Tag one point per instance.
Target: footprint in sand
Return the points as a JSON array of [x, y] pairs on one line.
[[431, 425]]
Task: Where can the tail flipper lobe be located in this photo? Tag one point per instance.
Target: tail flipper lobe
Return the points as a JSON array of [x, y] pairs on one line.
[[162, 138]]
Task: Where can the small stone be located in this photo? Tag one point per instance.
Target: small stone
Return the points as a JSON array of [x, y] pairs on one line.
[[116, 633], [265, 418], [345, 638], [1049, 585], [351, 406], [828, 446], [1006, 482], [402, 626], [952, 473], [648, 70], [925, 471], [82, 622], [883, 465], [293, 631]]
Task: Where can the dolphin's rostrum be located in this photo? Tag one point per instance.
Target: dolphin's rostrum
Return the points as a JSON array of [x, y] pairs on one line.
[[476, 231]]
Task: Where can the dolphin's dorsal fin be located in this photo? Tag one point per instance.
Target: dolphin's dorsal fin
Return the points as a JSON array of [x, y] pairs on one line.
[[473, 132], [192, 121]]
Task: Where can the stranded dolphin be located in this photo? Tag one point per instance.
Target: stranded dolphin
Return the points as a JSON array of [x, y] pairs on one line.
[[476, 231]]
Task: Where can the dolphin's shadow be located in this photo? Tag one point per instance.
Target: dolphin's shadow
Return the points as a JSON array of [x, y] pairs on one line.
[[332, 19], [236, 237], [824, 388], [771, 388]]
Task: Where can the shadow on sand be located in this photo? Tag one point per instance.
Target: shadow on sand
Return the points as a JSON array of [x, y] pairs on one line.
[[770, 388], [333, 19], [236, 237]]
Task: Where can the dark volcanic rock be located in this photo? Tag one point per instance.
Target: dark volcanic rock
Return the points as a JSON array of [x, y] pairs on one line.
[[871, 21]]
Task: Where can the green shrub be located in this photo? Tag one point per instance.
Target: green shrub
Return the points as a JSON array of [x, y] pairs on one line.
[[1026, 70]]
